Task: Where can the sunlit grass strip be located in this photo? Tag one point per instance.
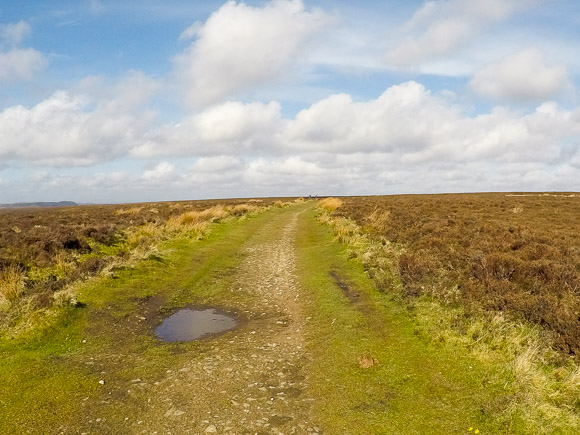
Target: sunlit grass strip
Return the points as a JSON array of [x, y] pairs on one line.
[[542, 390]]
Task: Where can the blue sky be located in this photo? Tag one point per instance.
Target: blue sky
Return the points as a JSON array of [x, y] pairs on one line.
[[107, 101]]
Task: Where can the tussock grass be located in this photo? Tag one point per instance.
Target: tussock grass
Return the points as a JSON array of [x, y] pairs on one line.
[[12, 280], [330, 204], [243, 209], [537, 388], [215, 214], [142, 235], [378, 220]]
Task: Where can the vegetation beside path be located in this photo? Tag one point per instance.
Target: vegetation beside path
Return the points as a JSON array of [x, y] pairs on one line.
[[91, 354], [530, 387], [372, 372], [369, 365]]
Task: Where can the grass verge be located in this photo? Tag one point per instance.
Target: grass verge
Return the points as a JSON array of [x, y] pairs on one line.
[[371, 372], [89, 369], [526, 387]]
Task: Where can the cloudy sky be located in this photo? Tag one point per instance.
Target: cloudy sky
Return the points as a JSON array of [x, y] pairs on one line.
[[127, 101]]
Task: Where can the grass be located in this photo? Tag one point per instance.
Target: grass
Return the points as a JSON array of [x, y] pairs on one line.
[[11, 284], [32, 291], [500, 253], [371, 371], [536, 387], [330, 204], [380, 362], [49, 378]]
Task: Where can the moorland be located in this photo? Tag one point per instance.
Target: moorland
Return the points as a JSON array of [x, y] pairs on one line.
[[385, 314]]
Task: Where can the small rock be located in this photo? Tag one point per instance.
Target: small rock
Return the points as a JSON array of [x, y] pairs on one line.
[[102, 382], [211, 429]]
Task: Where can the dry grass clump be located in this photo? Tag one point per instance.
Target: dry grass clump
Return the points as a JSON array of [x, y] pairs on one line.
[[129, 211], [346, 231], [215, 214], [330, 204], [143, 235], [12, 280], [243, 209], [378, 220], [183, 220]]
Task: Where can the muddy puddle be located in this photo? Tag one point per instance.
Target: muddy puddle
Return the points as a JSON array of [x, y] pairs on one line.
[[188, 325]]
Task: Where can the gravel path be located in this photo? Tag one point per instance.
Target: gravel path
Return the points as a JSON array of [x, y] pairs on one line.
[[253, 380]]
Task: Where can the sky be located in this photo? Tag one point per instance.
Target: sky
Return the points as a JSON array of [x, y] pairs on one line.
[[107, 101]]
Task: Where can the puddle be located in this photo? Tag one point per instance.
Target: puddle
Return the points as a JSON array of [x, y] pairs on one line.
[[189, 325]]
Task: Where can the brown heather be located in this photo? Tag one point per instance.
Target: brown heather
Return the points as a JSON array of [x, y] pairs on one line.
[[488, 253], [44, 251]]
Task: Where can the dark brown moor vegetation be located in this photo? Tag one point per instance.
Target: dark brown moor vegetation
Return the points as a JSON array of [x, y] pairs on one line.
[[42, 251], [517, 254]]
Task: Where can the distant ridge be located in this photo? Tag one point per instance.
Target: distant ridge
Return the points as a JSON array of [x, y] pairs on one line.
[[39, 204]]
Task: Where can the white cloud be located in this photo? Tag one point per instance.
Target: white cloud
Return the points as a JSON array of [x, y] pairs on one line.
[[66, 130], [291, 173], [14, 33], [406, 140], [524, 76], [130, 92], [407, 122], [225, 128], [442, 26], [241, 46], [405, 117], [21, 64], [413, 126], [161, 171], [18, 64], [224, 163]]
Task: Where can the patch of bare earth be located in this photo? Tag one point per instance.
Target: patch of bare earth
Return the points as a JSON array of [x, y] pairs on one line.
[[252, 380]]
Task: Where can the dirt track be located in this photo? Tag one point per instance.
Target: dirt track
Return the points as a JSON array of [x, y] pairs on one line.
[[253, 379]]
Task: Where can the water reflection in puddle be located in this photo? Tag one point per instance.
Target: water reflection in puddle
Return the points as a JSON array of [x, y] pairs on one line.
[[188, 325]]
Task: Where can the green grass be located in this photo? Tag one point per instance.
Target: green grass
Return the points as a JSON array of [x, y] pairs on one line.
[[416, 387], [49, 379]]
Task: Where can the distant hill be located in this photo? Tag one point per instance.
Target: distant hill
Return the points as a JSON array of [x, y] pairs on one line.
[[39, 204]]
